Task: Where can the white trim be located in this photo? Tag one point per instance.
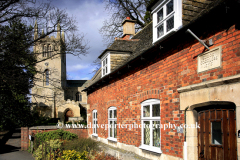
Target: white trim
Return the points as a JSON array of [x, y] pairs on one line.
[[113, 120], [150, 147], [105, 58], [94, 119], [177, 13], [112, 139], [95, 135]]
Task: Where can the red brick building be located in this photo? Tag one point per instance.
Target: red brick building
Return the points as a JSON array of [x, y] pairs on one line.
[[181, 69]]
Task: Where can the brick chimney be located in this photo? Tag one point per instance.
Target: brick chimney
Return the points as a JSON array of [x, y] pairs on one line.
[[128, 28]]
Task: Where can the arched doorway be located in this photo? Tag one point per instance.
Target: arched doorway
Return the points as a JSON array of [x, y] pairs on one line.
[[217, 132], [68, 113]]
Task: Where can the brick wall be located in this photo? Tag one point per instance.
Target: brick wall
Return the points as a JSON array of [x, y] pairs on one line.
[[25, 132], [24, 138], [160, 77]]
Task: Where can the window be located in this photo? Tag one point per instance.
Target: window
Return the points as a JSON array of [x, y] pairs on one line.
[[216, 133], [78, 96], [150, 120], [47, 77], [112, 122], [167, 17], [106, 65], [94, 112], [49, 51]]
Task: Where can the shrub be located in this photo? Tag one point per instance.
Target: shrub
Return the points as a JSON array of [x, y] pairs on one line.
[[73, 155], [55, 147], [57, 134], [81, 145]]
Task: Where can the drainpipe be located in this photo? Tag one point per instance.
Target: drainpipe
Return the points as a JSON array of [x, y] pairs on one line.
[[185, 135]]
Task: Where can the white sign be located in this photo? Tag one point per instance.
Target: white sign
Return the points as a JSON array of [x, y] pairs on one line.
[[210, 59]]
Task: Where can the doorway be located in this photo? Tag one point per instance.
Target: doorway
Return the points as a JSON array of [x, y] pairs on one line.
[[68, 113], [217, 134]]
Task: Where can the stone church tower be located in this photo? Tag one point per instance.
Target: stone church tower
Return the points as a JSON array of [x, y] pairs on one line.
[[50, 84]]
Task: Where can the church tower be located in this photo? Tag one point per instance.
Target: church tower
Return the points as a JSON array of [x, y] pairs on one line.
[[50, 80]]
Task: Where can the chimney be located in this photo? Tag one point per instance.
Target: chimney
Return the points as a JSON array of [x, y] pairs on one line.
[[128, 28]]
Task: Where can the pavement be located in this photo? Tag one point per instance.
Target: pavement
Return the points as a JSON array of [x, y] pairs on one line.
[[10, 149], [120, 153]]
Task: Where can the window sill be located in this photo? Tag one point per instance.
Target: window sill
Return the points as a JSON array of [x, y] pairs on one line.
[[152, 149], [112, 139], [165, 36], [95, 135]]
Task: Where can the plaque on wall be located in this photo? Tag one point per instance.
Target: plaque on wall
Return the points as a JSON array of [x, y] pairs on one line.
[[210, 60]]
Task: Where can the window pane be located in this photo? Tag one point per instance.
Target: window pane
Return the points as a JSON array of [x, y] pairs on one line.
[[115, 114], [156, 110], [111, 128], [146, 134], [103, 71], [106, 70], [160, 15], [47, 77], [103, 63], [216, 133], [115, 129], [160, 31], [146, 111], [96, 127], [170, 7], [156, 133], [170, 23], [110, 114], [106, 60], [96, 115]]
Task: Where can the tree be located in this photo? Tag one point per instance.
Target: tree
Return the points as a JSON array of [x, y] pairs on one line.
[[16, 73], [119, 10], [16, 56]]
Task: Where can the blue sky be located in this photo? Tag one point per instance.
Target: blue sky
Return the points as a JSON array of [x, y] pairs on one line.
[[90, 15]]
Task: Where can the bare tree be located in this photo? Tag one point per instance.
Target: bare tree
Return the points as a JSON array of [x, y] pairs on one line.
[[119, 10], [17, 18]]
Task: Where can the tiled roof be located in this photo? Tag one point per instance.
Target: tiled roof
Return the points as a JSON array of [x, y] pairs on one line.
[[144, 42]]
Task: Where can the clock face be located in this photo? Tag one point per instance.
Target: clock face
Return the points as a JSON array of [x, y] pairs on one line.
[[46, 64]]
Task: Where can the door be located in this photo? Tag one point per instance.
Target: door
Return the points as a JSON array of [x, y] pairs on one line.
[[69, 113], [217, 134]]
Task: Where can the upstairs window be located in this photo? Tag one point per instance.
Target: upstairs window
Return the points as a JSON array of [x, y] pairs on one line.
[[167, 17], [105, 65]]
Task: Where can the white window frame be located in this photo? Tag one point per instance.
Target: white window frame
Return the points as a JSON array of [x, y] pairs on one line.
[[177, 13], [112, 119], [105, 67], [150, 147], [94, 114]]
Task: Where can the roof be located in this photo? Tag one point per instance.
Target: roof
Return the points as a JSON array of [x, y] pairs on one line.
[[76, 83], [144, 44]]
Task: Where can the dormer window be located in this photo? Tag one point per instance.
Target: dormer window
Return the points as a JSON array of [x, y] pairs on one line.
[[167, 18], [105, 64]]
